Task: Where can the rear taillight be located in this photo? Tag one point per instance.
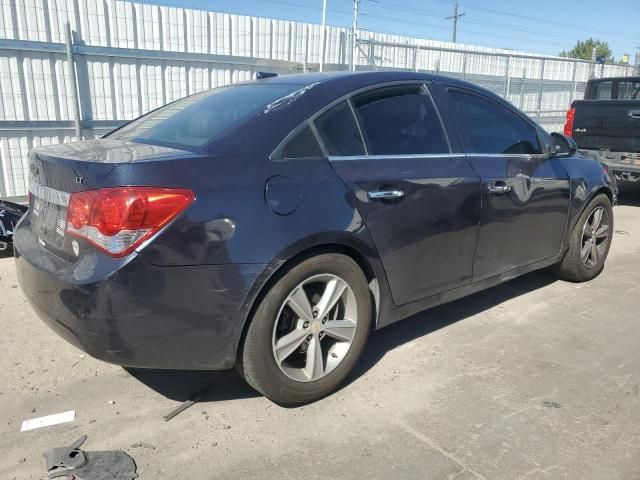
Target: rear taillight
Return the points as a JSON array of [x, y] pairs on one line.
[[568, 123], [117, 220]]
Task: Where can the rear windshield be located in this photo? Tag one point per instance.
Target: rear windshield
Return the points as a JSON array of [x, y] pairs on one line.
[[194, 121]]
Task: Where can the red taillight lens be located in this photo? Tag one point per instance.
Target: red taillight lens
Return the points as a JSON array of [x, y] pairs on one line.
[[568, 124], [117, 220]]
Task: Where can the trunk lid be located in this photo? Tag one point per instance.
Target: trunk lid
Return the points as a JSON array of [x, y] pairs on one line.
[[57, 171]]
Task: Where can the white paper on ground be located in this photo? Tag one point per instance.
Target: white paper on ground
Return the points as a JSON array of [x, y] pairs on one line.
[[54, 419]]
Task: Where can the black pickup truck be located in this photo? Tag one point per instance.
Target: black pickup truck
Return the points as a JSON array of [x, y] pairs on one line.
[[606, 124]]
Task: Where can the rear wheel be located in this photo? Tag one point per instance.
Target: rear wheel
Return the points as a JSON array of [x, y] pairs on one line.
[[308, 331], [590, 242]]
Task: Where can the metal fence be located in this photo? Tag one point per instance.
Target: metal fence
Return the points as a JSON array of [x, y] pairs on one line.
[[119, 59]]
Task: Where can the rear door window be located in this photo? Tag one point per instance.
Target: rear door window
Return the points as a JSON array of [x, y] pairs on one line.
[[339, 131], [400, 120], [302, 145], [196, 120], [488, 127]]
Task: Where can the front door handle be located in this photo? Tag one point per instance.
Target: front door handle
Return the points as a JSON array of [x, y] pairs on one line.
[[385, 194], [498, 188], [633, 114]]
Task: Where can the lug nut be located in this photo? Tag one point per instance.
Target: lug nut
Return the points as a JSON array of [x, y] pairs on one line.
[[305, 324], [324, 320], [309, 337], [321, 334]]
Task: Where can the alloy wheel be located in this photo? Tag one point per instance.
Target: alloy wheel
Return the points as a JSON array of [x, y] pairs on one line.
[[315, 327], [595, 237]]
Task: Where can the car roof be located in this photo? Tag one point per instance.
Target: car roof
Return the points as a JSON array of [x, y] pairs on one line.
[[333, 77]]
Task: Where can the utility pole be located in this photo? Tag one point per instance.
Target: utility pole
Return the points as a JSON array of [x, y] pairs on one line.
[[324, 34], [354, 46], [455, 17]]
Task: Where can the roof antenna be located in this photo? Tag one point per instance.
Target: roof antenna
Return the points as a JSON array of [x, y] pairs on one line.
[[261, 75]]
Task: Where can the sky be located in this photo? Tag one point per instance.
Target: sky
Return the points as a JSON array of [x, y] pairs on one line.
[[540, 26]]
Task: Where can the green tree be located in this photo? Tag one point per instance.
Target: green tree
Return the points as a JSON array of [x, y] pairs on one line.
[[583, 50]]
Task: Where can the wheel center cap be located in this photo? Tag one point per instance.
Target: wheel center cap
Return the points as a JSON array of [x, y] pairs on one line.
[[316, 326]]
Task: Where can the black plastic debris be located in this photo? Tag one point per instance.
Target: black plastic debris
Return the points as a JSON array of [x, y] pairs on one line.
[[10, 213], [80, 465]]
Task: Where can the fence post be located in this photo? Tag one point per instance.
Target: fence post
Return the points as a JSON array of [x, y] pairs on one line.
[[507, 79], [415, 59], [574, 82], [71, 69], [370, 57], [464, 66], [540, 91], [306, 49], [524, 75]]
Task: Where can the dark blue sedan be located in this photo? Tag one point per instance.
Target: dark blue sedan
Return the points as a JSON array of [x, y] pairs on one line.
[[272, 224]]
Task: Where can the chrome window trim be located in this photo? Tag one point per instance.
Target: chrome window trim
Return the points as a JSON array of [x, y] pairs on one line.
[[508, 155], [396, 157], [49, 194], [435, 155]]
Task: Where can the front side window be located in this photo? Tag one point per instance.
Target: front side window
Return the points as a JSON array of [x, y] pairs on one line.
[[487, 127], [339, 131], [196, 120], [400, 120]]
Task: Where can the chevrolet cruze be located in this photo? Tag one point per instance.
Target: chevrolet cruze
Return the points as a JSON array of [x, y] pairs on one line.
[[272, 224]]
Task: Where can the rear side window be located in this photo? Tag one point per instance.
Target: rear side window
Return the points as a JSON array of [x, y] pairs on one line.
[[303, 145], [487, 127], [603, 90], [400, 120], [339, 132], [196, 120], [628, 90]]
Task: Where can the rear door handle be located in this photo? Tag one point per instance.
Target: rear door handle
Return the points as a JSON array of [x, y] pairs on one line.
[[498, 188], [385, 194], [633, 114]]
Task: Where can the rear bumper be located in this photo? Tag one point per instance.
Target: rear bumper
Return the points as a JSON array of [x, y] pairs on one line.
[[138, 314], [625, 166]]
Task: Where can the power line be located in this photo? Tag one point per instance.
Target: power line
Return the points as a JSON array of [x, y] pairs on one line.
[[546, 21]]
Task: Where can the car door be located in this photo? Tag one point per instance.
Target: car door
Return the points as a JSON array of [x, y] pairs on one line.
[[420, 202], [525, 192]]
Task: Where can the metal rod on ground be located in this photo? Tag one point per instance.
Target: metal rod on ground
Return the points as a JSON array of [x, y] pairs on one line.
[[323, 47], [72, 80], [195, 398]]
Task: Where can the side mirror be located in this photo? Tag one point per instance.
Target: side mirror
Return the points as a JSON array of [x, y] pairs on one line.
[[562, 146]]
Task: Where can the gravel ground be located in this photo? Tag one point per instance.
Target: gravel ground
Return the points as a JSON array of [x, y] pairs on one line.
[[536, 379]]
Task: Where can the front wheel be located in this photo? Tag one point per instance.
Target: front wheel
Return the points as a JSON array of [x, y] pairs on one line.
[[308, 331], [590, 242]]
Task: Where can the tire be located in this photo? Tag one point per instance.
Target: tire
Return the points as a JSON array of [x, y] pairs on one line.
[[573, 267], [274, 319]]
